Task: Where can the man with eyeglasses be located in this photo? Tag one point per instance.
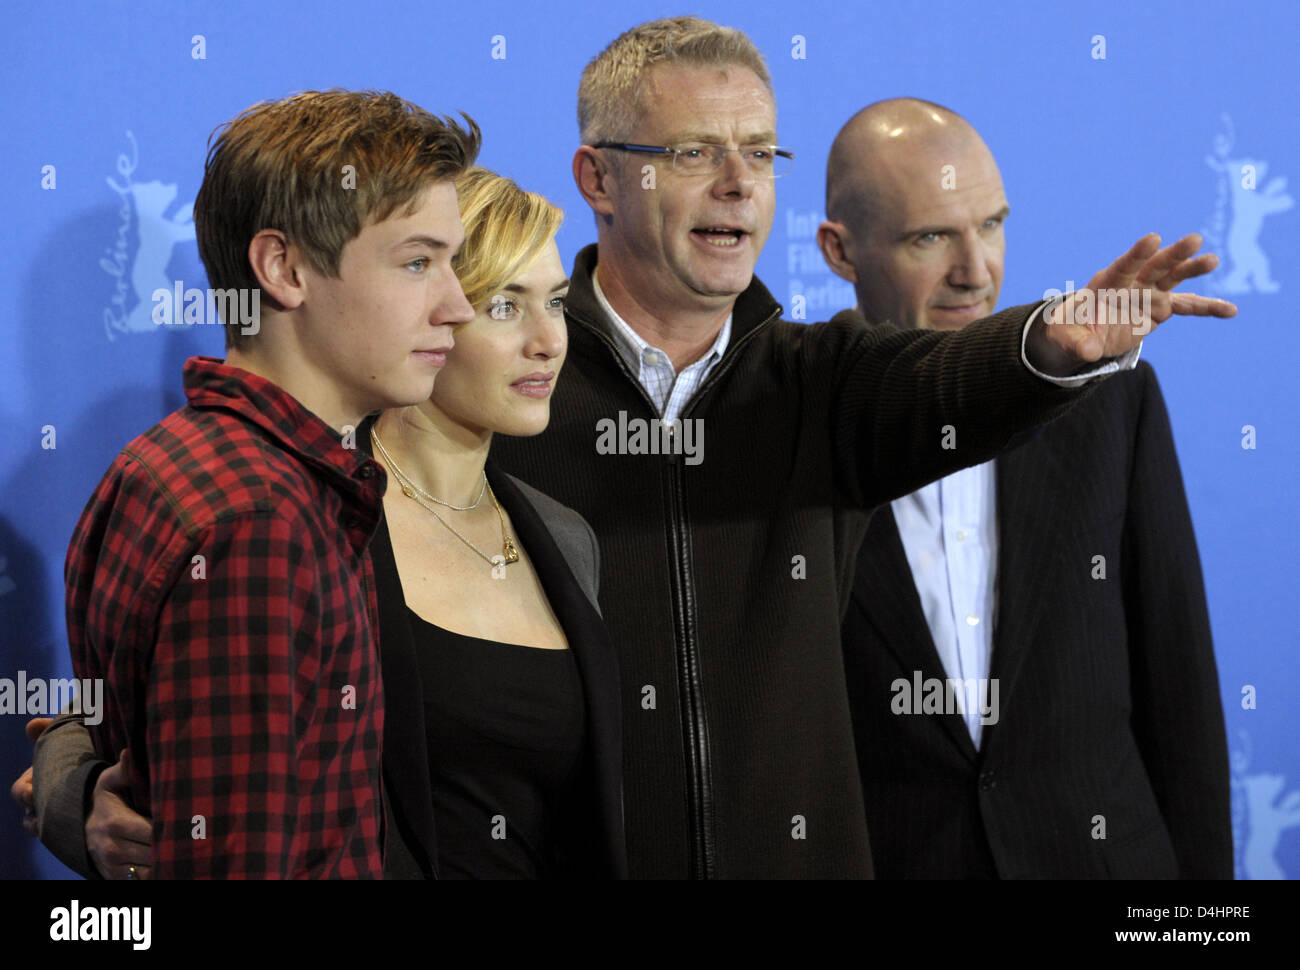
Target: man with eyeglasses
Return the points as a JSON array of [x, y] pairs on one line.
[[723, 582]]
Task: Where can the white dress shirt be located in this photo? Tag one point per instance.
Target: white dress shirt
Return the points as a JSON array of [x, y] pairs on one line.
[[950, 534], [949, 530]]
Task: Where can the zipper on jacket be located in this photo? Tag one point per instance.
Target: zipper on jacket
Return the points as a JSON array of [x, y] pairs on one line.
[[699, 760], [699, 773], [699, 788]]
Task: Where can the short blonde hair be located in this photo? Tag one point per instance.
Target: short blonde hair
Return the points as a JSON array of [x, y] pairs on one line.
[[610, 90], [506, 229]]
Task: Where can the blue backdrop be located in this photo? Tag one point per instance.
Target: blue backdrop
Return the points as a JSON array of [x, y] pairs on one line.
[[1108, 121]]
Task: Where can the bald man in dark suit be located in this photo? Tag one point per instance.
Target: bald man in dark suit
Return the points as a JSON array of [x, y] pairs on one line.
[[1028, 651]]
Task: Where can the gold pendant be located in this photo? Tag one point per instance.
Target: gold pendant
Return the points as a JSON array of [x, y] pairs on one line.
[[512, 554]]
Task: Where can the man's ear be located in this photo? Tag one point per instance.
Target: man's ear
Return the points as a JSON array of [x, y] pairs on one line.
[[278, 267], [594, 178], [837, 249]]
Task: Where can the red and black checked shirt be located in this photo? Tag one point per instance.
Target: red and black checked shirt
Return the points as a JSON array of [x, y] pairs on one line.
[[219, 582]]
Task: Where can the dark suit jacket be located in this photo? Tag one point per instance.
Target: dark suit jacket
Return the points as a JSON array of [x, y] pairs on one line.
[[596, 833], [1109, 696]]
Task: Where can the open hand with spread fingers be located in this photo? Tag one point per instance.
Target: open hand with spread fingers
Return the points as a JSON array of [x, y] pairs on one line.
[[1123, 303]]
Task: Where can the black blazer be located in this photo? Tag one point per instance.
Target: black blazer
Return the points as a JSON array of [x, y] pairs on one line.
[[1109, 696], [596, 833]]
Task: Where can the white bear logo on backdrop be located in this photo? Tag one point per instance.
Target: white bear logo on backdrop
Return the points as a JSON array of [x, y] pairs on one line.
[[1236, 233], [145, 271], [1260, 814]]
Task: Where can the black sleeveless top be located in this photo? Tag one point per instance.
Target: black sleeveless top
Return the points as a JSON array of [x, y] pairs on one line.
[[506, 728]]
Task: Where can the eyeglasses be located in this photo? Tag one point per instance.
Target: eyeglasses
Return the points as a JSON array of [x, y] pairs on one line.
[[698, 158]]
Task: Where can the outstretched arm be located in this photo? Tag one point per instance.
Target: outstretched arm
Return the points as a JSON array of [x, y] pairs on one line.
[[914, 406]]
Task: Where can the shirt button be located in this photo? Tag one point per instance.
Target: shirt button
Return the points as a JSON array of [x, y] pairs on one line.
[[366, 472], [972, 620], [961, 535], [651, 358]]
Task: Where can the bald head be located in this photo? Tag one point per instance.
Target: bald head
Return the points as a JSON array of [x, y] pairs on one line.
[[877, 147], [914, 208]]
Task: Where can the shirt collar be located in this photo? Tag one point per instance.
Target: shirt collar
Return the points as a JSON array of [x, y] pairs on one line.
[[212, 383], [630, 343]]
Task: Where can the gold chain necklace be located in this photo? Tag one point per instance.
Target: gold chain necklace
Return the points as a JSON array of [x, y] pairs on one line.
[[509, 554], [408, 484]]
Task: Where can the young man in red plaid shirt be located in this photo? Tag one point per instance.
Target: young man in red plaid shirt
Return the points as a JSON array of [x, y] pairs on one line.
[[218, 579]]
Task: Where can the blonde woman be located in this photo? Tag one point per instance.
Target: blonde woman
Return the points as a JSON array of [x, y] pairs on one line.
[[502, 751], [491, 641]]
